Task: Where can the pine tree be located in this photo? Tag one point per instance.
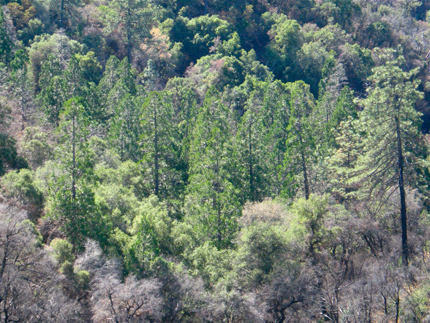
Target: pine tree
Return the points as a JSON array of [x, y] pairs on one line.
[[6, 44], [300, 145], [342, 163], [126, 128], [160, 146], [110, 77], [394, 148], [74, 203], [211, 203], [22, 88], [250, 157], [274, 116], [132, 18]]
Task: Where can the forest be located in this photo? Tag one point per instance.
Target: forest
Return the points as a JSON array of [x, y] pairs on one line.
[[214, 161]]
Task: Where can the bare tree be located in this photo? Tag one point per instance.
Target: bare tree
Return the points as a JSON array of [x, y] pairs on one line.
[[29, 282]]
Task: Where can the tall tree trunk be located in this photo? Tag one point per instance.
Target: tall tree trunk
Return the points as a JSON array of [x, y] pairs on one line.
[[74, 159], [62, 14], [403, 216], [129, 33], [305, 175], [156, 153], [251, 173], [216, 200]]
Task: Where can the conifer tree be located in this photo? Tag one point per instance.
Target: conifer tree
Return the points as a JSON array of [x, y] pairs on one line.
[[394, 148], [342, 164], [300, 146], [110, 77], [212, 204], [160, 145], [250, 157], [274, 116], [126, 128], [22, 88], [123, 86], [132, 19], [74, 201]]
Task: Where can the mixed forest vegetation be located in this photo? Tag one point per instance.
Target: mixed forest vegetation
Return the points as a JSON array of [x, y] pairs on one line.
[[214, 161]]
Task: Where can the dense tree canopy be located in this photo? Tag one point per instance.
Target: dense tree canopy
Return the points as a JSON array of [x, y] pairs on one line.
[[214, 161]]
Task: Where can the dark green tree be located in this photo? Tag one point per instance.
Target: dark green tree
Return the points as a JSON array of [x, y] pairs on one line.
[[160, 146], [127, 129], [73, 201], [212, 204], [394, 149], [250, 153], [300, 146], [132, 19], [6, 44], [275, 119]]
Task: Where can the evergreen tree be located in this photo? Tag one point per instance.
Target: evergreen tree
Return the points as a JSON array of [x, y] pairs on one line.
[[74, 201], [249, 156], [160, 146], [6, 44], [22, 88], [394, 148], [110, 77], [274, 116], [124, 86], [126, 128], [212, 204], [74, 80], [342, 164], [132, 18], [300, 144]]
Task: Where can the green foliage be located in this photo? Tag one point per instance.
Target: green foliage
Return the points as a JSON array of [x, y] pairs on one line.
[[286, 40], [164, 131], [211, 264], [91, 68], [130, 19], [309, 220], [260, 249], [20, 185], [147, 237], [63, 251], [126, 128], [44, 45], [83, 279], [8, 156], [211, 204], [389, 117], [300, 146], [35, 147], [198, 34], [5, 42], [161, 154], [249, 147]]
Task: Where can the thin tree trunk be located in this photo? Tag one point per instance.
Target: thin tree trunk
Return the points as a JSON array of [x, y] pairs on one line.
[[156, 153], [129, 33], [251, 174], [405, 251], [305, 175], [61, 14], [74, 159], [218, 206]]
